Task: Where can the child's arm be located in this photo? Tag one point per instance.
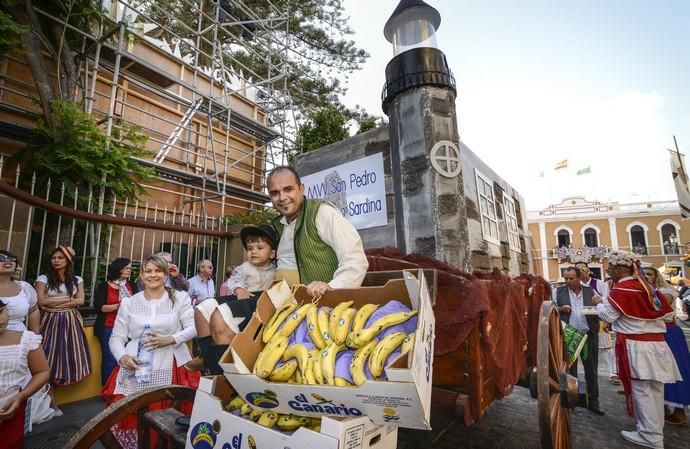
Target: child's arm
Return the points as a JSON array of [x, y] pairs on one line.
[[40, 373], [236, 284]]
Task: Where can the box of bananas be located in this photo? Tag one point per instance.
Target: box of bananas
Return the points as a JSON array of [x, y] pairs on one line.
[[353, 352], [223, 419]]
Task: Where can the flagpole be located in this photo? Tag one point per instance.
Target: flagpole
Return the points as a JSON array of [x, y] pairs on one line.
[[680, 160]]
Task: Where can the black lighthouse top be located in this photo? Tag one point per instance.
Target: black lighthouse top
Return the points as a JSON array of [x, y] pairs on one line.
[[417, 61], [406, 6]]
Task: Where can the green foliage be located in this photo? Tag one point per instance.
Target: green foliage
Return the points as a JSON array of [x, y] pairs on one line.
[[9, 34], [76, 153], [318, 56], [253, 217], [322, 127]]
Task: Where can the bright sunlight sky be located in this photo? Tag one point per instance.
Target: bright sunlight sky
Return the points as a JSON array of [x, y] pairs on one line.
[[604, 84]]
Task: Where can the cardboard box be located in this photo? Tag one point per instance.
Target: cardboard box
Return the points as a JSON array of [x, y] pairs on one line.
[[212, 427], [403, 400]]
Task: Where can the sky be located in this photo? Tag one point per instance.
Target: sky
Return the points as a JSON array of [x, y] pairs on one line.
[[604, 84]]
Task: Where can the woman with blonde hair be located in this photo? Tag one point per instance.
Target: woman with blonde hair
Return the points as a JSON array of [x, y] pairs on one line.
[[154, 324], [677, 395]]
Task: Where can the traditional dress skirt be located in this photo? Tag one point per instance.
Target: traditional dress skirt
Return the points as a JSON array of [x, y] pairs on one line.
[[65, 346], [12, 430], [125, 431], [678, 394]]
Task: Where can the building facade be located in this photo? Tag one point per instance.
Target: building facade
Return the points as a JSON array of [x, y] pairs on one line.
[[580, 230]]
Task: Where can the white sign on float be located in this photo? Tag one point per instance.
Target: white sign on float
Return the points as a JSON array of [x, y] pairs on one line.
[[357, 188]]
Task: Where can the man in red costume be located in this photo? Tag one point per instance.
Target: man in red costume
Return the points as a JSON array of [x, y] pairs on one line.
[[645, 362]]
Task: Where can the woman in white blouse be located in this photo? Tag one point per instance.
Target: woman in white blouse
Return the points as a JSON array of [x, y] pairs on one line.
[[20, 296], [170, 317]]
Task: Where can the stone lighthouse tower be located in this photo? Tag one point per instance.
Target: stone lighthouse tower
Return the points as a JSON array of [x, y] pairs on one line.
[[419, 99]]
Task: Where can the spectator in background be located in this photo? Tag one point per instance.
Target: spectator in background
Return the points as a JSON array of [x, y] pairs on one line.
[[571, 301], [106, 301], [175, 280], [20, 296], [202, 286], [23, 371], [224, 290], [60, 294]]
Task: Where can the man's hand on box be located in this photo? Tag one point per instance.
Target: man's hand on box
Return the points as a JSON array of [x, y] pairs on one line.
[[317, 288]]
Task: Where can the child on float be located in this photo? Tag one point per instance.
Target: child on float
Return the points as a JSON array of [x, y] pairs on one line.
[[23, 371], [218, 321]]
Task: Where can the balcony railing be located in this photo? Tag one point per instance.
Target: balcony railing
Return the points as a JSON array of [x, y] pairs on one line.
[[588, 254]]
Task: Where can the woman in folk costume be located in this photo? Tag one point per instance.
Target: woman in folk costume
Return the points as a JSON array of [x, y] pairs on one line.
[[60, 294], [677, 395], [164, 320], [636, 312]]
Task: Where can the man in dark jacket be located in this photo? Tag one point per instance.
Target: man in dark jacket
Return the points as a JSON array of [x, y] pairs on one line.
[[571, 300]]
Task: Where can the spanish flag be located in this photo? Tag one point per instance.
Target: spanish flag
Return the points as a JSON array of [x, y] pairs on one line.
[[562, 164]]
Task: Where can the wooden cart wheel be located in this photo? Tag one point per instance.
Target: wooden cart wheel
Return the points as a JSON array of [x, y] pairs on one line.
[[98, 427], [555, 419]]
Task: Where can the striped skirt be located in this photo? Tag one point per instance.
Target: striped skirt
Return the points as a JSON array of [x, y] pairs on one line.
[[65, 346]]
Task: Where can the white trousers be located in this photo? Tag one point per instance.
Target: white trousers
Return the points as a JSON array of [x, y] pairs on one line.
[[607, 354], [648, 400]]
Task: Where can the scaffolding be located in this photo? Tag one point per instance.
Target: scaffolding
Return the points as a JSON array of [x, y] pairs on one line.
[[214, 125]]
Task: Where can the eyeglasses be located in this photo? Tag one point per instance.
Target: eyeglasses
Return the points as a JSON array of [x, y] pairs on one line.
[[4, 257]]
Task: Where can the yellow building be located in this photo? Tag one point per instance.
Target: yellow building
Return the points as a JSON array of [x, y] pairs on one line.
[[577, 229]]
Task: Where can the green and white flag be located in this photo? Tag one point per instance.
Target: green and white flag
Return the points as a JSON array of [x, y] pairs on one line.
[[584, 171]]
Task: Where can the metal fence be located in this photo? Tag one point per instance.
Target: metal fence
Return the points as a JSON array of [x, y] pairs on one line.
[[37, 218]]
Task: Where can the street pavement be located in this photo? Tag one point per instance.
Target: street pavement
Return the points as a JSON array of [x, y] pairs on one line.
[[513, 423], [510, 423]]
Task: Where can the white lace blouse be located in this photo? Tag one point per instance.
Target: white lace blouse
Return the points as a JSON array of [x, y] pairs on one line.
[[14, 364], [18, 306], [165, 318]]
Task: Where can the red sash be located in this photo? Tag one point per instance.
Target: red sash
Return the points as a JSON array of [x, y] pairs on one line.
[[624, 364]]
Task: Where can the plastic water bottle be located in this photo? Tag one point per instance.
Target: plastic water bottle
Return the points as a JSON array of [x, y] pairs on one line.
[[142, 374]]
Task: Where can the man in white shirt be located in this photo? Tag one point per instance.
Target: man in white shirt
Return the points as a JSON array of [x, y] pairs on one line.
[[571, 300], [202, 286], [318, 246]]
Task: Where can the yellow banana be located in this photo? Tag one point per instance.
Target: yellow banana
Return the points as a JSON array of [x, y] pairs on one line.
[[246, 409], [363, 336], [407, 344], [340, 382], [255, 414], [264, 352], [299, 352], [362, 316], [334, 318], [294, 319], [298, 377], [383, 349], [313, 328], [268, 362], [284, 372], [292, 422], [322, 319], [235, 403], [358, 362], [316, 368], [276, 320], [342, 327], [268, 419], [328, 362], [309, 377]]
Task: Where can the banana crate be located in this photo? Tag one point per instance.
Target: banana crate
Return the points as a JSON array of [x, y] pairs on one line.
[[212, 426], [392, 386]]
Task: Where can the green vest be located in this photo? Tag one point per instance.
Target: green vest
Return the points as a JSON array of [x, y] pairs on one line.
[[316, 260]]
